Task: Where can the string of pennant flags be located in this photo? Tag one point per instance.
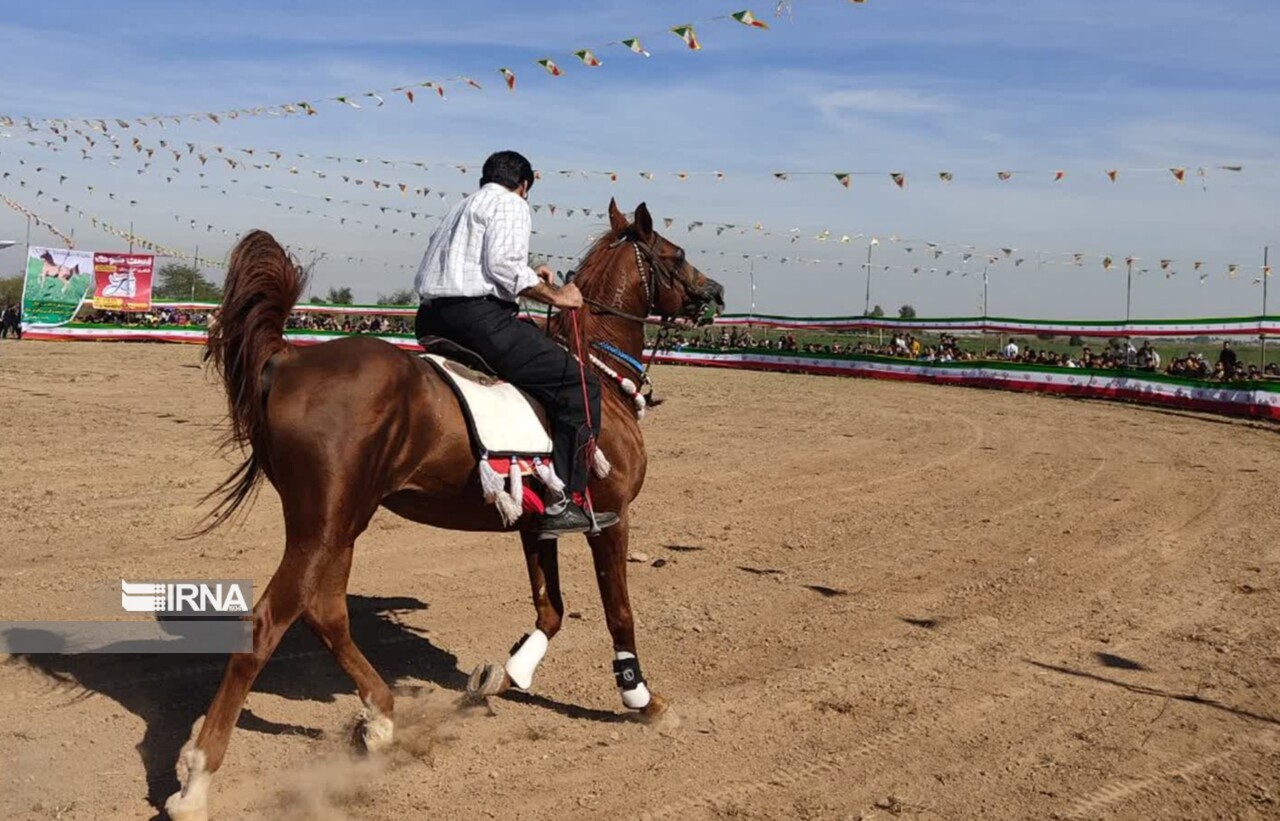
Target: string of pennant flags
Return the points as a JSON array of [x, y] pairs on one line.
[[585, 56], [405, 188], [130, 236], [1165, 266], [932, 251], [38, 220], [237, 157]]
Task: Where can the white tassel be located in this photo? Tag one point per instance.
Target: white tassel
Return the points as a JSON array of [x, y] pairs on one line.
[[628, 387], [490, 481], [508, 509], [547, 475], [602, 466], [517, 485]]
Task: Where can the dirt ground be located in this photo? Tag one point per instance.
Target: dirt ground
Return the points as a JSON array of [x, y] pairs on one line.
[[864, 600]]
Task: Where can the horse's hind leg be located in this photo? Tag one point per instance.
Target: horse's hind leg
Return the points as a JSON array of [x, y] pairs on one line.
[[327, 616], [285, 599], [543, 562], [609, 553]]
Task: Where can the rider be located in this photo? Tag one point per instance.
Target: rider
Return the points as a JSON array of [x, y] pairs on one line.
[[475, 268]]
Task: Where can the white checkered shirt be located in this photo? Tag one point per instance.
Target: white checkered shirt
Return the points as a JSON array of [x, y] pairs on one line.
[[480, 249]]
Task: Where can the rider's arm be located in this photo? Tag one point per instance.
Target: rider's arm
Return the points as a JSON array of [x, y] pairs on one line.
[[566, 297]]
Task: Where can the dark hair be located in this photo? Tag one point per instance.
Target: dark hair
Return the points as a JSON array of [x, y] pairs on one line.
[[508, 169]]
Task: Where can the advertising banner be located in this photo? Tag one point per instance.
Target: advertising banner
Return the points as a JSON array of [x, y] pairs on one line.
[[57, 280], [122, 282]]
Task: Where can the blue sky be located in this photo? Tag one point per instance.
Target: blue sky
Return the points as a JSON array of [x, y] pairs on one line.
[[917, 86]]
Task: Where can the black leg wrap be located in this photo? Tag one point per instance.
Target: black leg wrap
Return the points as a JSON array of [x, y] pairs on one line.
[[627, 675]]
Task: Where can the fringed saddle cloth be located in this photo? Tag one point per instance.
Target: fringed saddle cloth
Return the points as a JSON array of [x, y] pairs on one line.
[[509, 433]]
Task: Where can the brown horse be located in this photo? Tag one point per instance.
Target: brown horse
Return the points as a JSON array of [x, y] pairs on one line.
[[342, 428]]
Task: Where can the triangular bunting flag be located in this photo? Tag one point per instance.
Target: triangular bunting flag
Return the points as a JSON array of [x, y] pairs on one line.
[[945, 176], [1179, 174], [1112, 174], [841, 177], [687, 34], [551, 67], [1004, 175], [746, 18], [780, 175], [899, 179], [587, 58], [633, 43], [1058, 175], [509, 76]]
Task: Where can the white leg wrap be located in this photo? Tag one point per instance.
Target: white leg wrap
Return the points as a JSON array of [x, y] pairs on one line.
[[636, 696], [192, 803], [524, 662], [376, 730]]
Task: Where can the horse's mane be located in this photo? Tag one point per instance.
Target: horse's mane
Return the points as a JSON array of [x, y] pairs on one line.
[[594, 278]]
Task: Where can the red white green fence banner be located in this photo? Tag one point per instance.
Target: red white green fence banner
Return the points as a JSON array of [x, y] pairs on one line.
[[1249, 326], [1260, 399]]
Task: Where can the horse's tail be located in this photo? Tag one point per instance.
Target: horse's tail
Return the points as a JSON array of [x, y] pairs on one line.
[[262, 286]]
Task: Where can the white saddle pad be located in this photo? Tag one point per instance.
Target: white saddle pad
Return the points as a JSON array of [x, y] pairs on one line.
[[502, 418]]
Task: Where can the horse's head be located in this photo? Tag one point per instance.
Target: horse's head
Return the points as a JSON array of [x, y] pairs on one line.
[[673, 286]]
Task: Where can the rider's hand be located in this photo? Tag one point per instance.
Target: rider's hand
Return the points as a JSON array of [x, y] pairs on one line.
[[545, 274], [568, 297]]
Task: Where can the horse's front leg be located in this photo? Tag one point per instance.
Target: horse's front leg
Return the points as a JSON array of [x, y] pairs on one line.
[[543, 562], [609, 552]]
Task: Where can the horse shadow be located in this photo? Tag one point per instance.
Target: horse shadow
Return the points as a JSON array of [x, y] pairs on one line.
[[169, 692]]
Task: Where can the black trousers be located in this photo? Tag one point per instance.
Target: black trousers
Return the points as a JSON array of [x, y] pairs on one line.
[[527, 358]]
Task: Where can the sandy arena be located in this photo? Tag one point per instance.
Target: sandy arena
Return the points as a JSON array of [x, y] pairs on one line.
[[863, 599]]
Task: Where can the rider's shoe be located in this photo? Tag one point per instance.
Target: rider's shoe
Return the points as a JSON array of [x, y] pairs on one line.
[[571, 519]]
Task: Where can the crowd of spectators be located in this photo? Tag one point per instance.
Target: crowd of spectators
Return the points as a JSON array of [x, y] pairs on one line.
[[350, 324], [311, 321], [1115, 354]]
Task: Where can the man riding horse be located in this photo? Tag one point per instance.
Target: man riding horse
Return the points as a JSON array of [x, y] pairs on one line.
[[475, 268]]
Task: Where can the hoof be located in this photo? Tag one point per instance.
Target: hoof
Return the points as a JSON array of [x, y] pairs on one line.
[[374, 731], [192, 803], [178, 809], [655, 711], [486, 681]]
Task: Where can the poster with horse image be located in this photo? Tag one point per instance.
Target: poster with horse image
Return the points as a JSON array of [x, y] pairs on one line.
[[122, 282], [57, 280]]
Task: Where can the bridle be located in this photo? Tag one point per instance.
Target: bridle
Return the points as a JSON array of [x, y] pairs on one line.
[[652, 270], [657, 271]]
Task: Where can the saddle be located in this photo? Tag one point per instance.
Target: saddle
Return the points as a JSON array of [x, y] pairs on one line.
[[509, 430], [503, 420], [448, 349]]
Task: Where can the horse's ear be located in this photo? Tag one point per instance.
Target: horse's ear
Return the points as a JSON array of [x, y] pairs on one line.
[[617, 220], [644, 222]]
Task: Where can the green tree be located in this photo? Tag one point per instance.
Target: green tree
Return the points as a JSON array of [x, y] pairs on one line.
[[877, 312], [178, 282], [337, 296], [907, 312], [11, 290], [404, 296]]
